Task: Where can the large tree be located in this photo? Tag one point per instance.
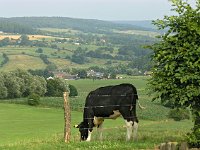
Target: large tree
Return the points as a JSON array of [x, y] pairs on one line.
[[176, 71]]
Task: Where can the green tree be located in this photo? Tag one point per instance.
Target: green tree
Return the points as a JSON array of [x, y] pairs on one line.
[[39, 50], [24, 40], [38, 86], [34, 99], [73, 91], [3, 89], [82, 74], [56, 87], [14, 85], [176, 71]]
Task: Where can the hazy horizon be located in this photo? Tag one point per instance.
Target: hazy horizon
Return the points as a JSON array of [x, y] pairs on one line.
[[113, 10]]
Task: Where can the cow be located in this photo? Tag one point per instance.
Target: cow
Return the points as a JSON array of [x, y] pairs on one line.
[[109, 102]]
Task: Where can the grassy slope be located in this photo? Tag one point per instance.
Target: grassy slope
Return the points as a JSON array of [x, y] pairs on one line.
[[23, 127], [23, 61], [26, 57]]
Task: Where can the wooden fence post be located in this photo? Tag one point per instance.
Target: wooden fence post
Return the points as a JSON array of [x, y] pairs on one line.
[[67, 117]]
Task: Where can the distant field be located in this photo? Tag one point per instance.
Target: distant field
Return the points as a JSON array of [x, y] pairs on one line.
[[23, 62], [25, 56], [60, 30], [138, 32], [31, 37]]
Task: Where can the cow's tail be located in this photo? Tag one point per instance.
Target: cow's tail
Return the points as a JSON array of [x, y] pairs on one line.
[[136, 97], [140, 106]]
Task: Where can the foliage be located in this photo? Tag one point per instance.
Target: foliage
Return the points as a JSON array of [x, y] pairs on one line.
[[4, 42], [179, 114], [193, 138], [11, 27], [5, 60], [3, 89], [20, 83], [45, 59], [73, 91], [24, 40], [82, 73], [43, 73], [56, 87], [79, 56], [34, 99], [39, 50], [176, 69]]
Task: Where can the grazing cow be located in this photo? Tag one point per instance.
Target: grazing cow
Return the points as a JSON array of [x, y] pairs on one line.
[[109, 102]]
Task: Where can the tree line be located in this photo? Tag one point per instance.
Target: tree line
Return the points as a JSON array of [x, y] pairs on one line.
[[84, 25], [20, 83], [11, 27]]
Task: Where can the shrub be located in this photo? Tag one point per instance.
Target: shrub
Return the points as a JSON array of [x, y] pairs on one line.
[[56, 87], [73, 91], [193, 139], [179, 114], [34, 99]]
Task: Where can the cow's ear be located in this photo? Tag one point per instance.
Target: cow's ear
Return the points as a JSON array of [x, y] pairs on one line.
[[76, 126]]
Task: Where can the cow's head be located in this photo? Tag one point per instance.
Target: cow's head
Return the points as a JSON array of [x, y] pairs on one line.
[[83, 129]]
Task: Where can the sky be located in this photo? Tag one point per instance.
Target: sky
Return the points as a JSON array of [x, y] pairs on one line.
[[88, 9]]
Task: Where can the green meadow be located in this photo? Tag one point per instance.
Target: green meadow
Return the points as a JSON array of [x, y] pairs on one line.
[[40, 128]]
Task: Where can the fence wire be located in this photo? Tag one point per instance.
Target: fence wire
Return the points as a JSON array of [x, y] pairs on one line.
[[77, 103]]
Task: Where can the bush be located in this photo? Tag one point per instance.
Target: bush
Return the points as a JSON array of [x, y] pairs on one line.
[[193, 139], [179, 114], [73, 91], [34, 100], [56, 87]]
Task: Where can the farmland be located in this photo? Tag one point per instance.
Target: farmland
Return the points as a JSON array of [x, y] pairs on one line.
[[25, 127], [74, 43]]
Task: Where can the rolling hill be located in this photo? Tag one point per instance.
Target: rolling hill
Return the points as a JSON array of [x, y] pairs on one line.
[[74, 43]]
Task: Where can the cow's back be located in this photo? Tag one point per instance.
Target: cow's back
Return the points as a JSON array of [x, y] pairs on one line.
[[111, 95]]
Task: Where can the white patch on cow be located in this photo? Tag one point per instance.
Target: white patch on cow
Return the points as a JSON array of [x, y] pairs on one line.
[[98, 120], [135, 126], [115, 115], [129, 127], [89, 136]]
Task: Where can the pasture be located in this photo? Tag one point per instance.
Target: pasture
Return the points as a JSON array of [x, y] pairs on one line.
[[31, 37], [25, 127]]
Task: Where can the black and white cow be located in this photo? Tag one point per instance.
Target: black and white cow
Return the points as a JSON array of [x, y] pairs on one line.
[[109, 102]]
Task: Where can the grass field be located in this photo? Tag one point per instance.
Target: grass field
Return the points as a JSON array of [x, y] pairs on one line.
[[25, 127], [31, 37], [23, 61]]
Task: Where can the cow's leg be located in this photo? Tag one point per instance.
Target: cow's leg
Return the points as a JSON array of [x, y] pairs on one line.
[[129, 127], [100, 131], [126, 113], [135, 126]]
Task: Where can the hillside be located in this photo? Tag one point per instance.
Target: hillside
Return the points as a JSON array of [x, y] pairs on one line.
[[85, 25], [143, 24], [70, 44]]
